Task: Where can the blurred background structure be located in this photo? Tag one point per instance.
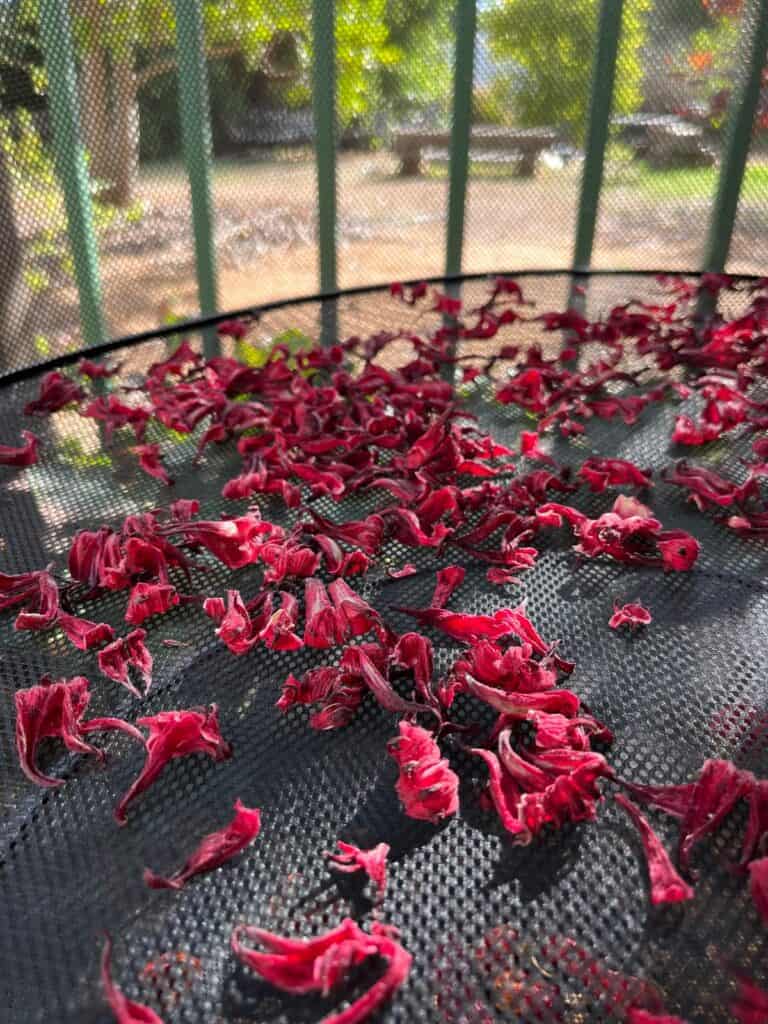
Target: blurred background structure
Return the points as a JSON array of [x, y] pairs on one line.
[[162, 157]]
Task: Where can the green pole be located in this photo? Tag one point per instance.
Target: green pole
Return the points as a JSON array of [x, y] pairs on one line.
[[741, 116], [70, 163], [466, 23], [324, 112], [601, 95], [194, 112]]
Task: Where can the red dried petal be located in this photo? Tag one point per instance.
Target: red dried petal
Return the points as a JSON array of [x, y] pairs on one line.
[[631, 615], [373, 862], [39, 593], [56, 391], [355, 616], [601, 473], [25, 455], [147, 599], [214, 849], [115, 659], [324, 626], [84, 634], [149, 460], [666, 884], [529, 448], [318, 965], [175, 734], [53, 708], [448, 579], [758, 886], [751, 1004], [428, 789], [714, 794], [126, 1011], [235, 542], [638, 1016]]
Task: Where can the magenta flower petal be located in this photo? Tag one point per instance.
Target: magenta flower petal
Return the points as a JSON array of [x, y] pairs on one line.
[[175, 734], [147, 599], [84, 634], [758, 886], [428, 789], [149, 460], [303, 966], [751, 1004], [25, 455], [631, 615], [324, 625], [448, 579], [115, 659], [214, 849], [373, 862], [56, 391], [53, 708], [125, 1010], [666, 884], [714, 794]]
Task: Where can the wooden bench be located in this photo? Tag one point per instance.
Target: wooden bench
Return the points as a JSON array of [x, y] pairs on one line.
[[525, 143]]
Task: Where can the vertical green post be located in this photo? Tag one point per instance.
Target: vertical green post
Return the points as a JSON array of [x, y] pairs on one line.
[[195, 118], [466, 25], [741, 116], [69, 156], [324, 111], [601, 96]]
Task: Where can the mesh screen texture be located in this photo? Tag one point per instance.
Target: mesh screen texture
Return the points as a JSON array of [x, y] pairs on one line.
[[484, 920], [678, 64]]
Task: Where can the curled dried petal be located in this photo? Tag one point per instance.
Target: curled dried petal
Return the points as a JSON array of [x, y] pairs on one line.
[[666, 884], [213, 850]]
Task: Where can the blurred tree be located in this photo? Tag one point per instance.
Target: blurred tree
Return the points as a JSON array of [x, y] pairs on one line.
[[550, 47], [125, 46], [709, 64]]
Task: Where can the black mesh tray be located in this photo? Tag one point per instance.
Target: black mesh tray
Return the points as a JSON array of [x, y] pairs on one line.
[[480, 916]]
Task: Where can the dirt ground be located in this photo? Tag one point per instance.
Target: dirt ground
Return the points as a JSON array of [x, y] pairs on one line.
[[389, 228]]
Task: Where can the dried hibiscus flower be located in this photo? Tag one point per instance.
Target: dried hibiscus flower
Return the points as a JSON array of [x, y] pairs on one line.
[[758, 886], [631, 615], [115, 659], [213, 850], [175, 734], [601, 473], [56, 708], [56, 391], [553, 787], [666, 884], [147, 599], [427, 787], [751, 1003], [373, 862], [25, 455], [126, 1011], [303, 966], [84, 634], [150, 461]]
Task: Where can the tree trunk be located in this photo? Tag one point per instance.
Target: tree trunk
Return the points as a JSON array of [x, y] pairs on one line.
[[95, 115], [126, 133], [109, 109], [15, 296]]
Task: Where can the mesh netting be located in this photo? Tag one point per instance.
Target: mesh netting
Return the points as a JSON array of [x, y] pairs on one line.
[[486, 922], [678, 65]]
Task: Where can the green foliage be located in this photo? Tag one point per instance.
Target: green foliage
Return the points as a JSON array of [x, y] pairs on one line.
[[550, 48]]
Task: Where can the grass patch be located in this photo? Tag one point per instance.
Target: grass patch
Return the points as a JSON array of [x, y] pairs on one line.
[[689, 183]]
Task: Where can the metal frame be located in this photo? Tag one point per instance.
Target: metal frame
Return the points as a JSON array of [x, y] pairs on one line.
[[58, 47], [194, 112], [69, 159], [200, 324]]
